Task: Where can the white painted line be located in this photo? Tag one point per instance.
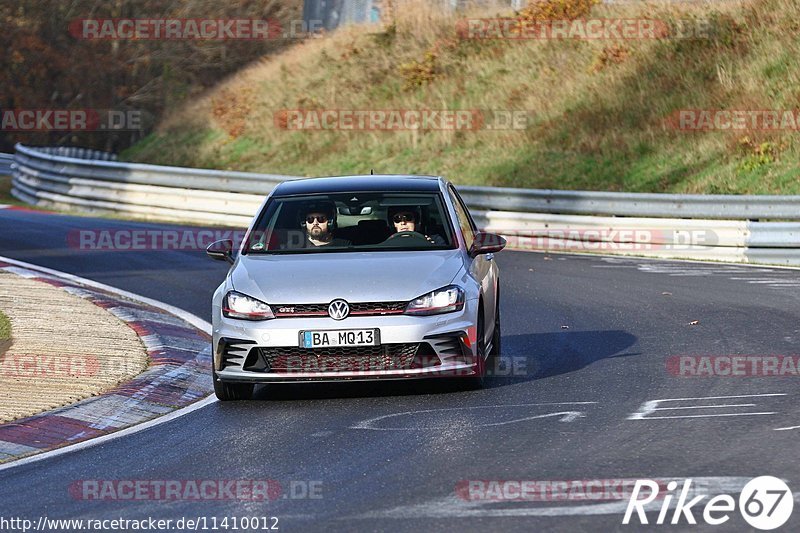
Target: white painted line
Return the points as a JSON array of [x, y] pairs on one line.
[[723, 397], [651, 406], [787, 429], [704, 406], [566, 416], [634, 258], [704, 416], [196, 321], [771, 282]]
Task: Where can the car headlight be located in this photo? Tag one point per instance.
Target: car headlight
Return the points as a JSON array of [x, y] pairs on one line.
[[444, 300], [238, 305]]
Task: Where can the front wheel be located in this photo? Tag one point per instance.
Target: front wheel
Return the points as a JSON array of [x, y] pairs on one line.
[[496, 335], [478, 381], [227, 392]]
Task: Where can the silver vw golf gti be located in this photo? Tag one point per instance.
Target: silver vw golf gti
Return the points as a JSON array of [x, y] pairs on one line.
[[354, 278]]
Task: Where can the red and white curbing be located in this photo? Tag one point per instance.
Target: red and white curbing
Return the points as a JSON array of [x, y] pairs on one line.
[[180, 355]]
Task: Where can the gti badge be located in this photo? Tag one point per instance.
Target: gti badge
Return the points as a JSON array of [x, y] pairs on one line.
[[338, 309]]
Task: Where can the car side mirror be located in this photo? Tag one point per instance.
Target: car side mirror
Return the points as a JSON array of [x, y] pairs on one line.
[[486, 243], [221, 250]]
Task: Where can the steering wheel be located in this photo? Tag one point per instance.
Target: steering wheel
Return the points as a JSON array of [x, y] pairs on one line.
[[410, 235]]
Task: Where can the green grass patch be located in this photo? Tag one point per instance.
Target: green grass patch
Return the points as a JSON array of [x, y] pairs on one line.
[[5, 327], [5, 192]]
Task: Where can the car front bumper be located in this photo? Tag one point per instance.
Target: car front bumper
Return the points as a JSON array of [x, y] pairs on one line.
[[447, 340]]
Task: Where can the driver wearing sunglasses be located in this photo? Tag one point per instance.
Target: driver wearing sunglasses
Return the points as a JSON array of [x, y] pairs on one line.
[[407, 219], [320, 225]]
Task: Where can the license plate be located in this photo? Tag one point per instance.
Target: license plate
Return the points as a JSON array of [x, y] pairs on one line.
[[339, 337]]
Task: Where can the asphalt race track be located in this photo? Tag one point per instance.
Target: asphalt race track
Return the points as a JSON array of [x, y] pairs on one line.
[[588, 340]]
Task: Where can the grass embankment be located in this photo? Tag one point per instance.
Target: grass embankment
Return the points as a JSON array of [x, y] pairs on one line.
[[5, 333], [5, 327], [5, 192], [598, 107]]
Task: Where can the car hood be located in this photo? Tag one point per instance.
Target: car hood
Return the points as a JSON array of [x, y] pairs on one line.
[[354, 276]]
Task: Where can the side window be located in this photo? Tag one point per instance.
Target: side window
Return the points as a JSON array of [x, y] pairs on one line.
[[463, 218]]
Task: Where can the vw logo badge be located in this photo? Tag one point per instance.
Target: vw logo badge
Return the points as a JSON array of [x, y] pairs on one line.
[[338, 309]]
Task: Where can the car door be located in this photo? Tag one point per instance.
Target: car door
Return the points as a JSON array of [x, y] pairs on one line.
[[482, 267]]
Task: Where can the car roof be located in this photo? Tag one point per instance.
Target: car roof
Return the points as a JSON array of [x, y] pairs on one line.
[[369, 183]]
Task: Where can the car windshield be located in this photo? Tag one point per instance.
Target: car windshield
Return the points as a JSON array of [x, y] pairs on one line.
[[369, 221]]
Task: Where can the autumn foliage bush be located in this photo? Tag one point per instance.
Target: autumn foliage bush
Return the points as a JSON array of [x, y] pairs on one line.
[[45, 67], [540, 10]]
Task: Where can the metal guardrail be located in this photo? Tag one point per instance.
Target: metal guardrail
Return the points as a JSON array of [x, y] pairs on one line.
[[705, 206], [5, 164], [79, 166], [714, 240], [83, 165], [712, 227], [76, 152]]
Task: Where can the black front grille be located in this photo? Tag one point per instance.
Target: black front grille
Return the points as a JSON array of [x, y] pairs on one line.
[[344, 359], [299, 309], [449, 346], [229, 353], [361, 309], [377, 308]]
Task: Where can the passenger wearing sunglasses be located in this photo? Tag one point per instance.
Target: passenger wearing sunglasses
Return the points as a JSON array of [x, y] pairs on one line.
[[320, 225], [407, 220]]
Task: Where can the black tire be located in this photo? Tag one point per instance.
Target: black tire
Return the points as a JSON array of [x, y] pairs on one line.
[[478, 381], [496, 335], [227, 392]]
